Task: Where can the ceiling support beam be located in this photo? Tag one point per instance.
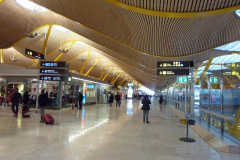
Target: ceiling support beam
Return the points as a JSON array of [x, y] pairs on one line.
[[107, 74], [77, 56], [116, 78], [1, 56], [120, 83], [84, 63], [86, 74], [60, 56], [103, 71]]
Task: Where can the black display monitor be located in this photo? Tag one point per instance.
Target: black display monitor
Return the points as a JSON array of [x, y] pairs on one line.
[[175, 64], [51, 78], [53, 71], [171, 72], [34, 54], [52, 64]]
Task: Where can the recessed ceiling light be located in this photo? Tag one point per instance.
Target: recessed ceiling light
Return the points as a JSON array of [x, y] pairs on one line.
[[81, 43], [31, 6]]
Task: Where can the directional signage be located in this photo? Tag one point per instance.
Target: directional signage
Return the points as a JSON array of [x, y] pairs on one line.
[[163, 72], [52, 78], [34, 54], [52, 71], [184, 79], [214, 80], [52, 64], [175, 64]]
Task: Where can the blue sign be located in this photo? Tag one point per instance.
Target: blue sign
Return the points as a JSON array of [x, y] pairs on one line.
[[90, 86]]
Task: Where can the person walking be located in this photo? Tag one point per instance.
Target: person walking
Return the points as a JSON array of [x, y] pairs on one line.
[[110, 101], [161, 99], [117, 98], [145, 107], [25, 98], [80, 98], [15, 101], [42, 101]]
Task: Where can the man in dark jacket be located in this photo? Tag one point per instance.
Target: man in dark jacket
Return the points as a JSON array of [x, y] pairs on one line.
[[145, 107], [42, 101], [80, 98], [15, 101], [117, 98]]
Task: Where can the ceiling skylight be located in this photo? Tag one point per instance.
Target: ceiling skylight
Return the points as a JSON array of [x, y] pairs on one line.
[[60, 28], [31, 6], [237, 12], [232, 58], [234, 46]]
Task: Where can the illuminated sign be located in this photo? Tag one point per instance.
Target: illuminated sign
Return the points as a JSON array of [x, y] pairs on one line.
[[52, 78], [52, 71], [90, 86], [34, 54], [130, 90], [174, 64], [182, 80], [163, 72], [84, 93], [53, 64], [214, 80]]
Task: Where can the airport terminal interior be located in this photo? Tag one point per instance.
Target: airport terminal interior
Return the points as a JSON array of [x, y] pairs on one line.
[[95, 65]]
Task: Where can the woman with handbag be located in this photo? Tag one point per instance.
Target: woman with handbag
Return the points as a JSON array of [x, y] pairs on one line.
[[146, 107]]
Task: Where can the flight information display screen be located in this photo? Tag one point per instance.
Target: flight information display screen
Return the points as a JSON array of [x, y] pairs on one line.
[[52, 71], [53, 64], [34, 54], [164, 72], [177, 64], [52, 78]]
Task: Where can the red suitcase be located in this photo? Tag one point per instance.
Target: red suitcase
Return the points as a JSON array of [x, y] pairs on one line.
[[48, 119]]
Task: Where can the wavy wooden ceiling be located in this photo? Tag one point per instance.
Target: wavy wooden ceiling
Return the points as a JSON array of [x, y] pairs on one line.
[[131, 41]]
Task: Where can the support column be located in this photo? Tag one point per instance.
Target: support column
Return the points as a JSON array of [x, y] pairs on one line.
[[222, 109], [185, 97], [192, 94], [59, 96], [209, 95], [6, 94], [1, 56], [200, 98]]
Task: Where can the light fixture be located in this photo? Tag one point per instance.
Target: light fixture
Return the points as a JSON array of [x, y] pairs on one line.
[[14, 59], [31, 6], [31, 35], [63, 50], [81, 43]]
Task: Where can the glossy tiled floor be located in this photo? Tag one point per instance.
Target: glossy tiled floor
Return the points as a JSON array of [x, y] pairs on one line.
[[100, 133]]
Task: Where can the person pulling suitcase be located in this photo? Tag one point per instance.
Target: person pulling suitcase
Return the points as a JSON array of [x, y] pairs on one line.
[[42, 101]]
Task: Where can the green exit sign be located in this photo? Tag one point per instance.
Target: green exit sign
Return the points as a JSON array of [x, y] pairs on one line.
[[182, 80], [214, 80]]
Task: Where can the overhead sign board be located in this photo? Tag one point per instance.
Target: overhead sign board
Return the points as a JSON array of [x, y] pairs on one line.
[[52, 78], [183, 79], [130, 90], [175, 64], [214, 80], [52, 71], [90, 86], [52, 64], [34, 54], [163, 72]]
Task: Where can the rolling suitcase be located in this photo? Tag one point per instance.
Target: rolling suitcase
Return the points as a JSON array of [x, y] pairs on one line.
[[25, 111], [48, 119]]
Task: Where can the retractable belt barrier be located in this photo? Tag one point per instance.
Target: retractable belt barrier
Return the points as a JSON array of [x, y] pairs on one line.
[[187, 122]]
